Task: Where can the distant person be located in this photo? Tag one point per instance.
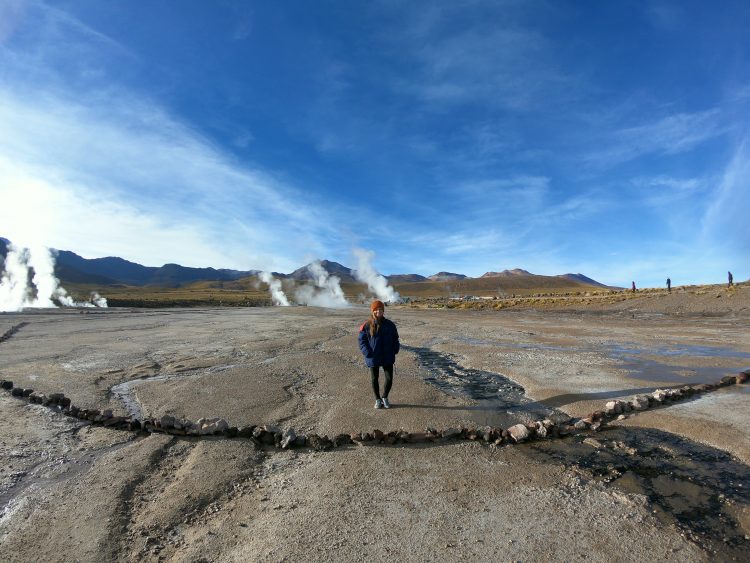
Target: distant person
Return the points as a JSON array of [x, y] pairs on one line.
[[378, 341], [731, 279], [633, 286], [669, 285]]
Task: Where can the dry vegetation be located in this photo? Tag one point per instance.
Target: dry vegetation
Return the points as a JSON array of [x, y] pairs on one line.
[[472, 294]]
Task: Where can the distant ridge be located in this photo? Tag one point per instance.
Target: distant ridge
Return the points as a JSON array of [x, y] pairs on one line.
[[405, 278], [446, 276], [112, 270], [69, 266], [583, 279], [506, 273], [333, 268]]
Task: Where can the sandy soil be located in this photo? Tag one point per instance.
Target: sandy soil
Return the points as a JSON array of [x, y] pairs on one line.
[[69, 491]]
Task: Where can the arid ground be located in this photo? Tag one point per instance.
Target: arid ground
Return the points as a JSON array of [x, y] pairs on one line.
[[666, 484]]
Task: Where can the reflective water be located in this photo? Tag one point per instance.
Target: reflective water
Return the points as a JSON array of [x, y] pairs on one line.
[[702, 490], [631, 358]]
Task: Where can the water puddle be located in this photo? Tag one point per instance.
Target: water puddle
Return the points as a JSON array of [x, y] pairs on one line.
[[125, 391], [492, 391], [631, 358], [702, 490]]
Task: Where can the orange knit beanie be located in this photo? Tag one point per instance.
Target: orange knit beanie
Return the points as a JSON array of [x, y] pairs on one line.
[[377, 304]]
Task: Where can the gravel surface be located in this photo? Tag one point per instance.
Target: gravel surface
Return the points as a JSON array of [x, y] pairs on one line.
[[69, 491]]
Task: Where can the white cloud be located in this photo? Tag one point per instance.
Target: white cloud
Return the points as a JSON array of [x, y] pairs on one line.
[[124, 175], [724, 224], [671, 134]]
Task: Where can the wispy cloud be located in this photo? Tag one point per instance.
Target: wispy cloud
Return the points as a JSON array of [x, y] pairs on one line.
[[501, 66], [724, 224], [665, 191], [154, 179], [668, 135]]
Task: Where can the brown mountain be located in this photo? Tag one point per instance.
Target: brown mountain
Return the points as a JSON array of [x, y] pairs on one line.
[[405, 278], [446, 276], [506, 273]]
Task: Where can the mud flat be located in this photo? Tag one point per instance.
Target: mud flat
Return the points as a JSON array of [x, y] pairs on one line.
[[668, 483]]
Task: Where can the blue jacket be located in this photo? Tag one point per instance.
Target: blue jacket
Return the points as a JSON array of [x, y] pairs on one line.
[[381, 349]]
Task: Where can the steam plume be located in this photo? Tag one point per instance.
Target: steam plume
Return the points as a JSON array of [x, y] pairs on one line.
[[44, 290], [326, 292], [375, 282], [274, 286]]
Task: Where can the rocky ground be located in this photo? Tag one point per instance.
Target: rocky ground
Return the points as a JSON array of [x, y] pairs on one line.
[[667, 483]]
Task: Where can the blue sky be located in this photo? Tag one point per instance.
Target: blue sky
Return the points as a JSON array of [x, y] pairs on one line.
[[607, 138]]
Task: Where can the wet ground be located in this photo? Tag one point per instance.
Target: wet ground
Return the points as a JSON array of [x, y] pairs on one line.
[[702, 490], [491, 391]]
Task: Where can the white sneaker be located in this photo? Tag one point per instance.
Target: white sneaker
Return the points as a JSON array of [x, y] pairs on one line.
[[378, 404], [386, 404]]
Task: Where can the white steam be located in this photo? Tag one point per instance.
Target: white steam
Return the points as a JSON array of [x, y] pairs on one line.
[[326, 292], [375, 282], [274, 286], [43, 290]]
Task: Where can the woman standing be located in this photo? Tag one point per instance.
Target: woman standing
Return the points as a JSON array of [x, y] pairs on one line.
[[378, 341]]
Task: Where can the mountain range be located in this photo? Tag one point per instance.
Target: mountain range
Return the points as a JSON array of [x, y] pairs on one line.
[[112, 270]]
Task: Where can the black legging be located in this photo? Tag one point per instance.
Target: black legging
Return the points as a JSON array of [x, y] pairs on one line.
[[374, 373]]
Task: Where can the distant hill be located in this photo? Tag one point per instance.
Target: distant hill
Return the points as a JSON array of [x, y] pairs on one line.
[[583, 279], [69, 266], [405, 278], [507, 273], [446, 276], [333, 268]]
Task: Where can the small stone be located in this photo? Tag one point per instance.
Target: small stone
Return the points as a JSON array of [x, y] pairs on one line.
[[27, 392], [640, 402], [288, 438], [16, 392], [449, 433], [622, 417], [659, 396], [609, 408], [519, 432], [594, 443], [541, 430], [355, 436], [6, 384], [342, 440], [581, 425], [319, 443], [167, 421], [378, 435]]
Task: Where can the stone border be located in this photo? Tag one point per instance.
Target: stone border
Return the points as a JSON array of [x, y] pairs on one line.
[[270, 435], [11, 331]]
